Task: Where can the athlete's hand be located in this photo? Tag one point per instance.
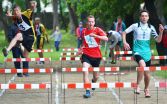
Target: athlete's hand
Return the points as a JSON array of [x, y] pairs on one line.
[[126, 46], [161, 28]]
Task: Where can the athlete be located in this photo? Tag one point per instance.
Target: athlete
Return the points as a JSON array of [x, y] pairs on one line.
[[141, 47], [26, 33], [115, 39], [91, 54], [41, 35]]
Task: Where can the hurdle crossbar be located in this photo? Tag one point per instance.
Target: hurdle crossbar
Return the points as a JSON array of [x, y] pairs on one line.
[[99, 85], [15, 86], [152, 68], [42, 50], [26, 59], [33, 70], [91, 69]]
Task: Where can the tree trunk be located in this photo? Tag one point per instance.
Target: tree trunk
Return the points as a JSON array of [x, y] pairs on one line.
[[38, 6], [64, 23], [55, 14], [159, 7], [73, 18], [4, 21]]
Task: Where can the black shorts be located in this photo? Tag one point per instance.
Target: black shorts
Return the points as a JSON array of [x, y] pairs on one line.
[[138, 58], [40, 42], [28, 42], [95, 62]]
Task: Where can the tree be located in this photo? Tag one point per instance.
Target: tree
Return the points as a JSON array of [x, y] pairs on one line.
[[55, 14], [3, 20], [73, 17], [160, 10]]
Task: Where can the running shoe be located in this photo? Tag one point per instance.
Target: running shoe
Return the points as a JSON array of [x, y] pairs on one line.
[[5, 52], [137, 90], [19, 75], [147, 94], [87, 95], [26, 74]]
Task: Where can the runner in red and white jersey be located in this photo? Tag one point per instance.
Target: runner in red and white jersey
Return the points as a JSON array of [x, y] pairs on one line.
[[91, 54]]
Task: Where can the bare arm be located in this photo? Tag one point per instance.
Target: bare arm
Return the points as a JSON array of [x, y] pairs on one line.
[[126, 45], [105, 38], [159, 37]]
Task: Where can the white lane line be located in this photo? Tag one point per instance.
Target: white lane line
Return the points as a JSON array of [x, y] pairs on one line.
[[119, 101], [57, 89], [11, 80]]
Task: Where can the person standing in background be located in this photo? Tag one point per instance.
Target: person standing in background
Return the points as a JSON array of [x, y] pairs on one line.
[[79, 34], [41, 36], [57, 35]]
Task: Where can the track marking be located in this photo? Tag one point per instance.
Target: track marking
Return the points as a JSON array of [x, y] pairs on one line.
[[57, 89], [12, 79]]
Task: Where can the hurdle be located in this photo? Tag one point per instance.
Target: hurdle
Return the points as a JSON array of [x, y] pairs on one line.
[[153, 69], [94, 69], [160, 85], [14, 86], [70, 49], [64, 54], [31, 70], [152, 58], [104, 85], [126, 52], [42, 50]]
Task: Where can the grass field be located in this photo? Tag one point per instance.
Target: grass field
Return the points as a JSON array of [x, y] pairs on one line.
[[68, 41]]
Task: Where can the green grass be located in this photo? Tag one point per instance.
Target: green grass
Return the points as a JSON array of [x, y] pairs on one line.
[[68, 40], [162, 74]]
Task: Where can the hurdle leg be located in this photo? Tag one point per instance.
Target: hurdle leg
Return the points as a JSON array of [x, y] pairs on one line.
[[48, 96], [61, 75], [165, 80], [157, 95], [119, 95], [51, 84], [135, 98]]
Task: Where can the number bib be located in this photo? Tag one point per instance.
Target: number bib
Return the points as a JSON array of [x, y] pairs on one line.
[[23, 26], [90, 41]]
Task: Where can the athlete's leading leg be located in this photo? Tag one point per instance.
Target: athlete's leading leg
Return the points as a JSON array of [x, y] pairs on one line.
[[17, 38]]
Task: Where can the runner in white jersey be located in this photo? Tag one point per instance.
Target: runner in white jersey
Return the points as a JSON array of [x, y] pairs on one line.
[[141, 46]]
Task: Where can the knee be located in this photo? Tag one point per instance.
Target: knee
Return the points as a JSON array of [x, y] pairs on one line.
[[18, 36]]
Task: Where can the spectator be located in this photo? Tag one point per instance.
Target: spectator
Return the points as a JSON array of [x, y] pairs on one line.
[[57, 35], [79, 34]]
